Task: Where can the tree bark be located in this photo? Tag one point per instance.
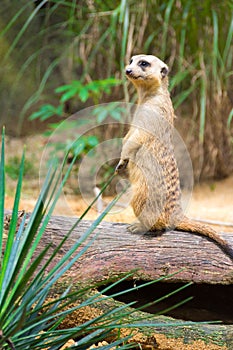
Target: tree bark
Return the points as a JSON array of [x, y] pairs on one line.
[[115, 251]]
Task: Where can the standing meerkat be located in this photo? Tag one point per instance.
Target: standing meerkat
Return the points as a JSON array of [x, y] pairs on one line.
[[148, 154]]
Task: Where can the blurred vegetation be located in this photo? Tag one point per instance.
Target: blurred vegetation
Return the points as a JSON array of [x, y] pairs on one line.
[[13, 165], [46, 44]]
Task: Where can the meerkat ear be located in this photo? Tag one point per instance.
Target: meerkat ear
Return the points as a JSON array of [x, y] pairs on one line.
[[164, 71]]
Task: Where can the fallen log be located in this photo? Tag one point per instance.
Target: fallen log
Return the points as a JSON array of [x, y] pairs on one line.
[[115, 251]]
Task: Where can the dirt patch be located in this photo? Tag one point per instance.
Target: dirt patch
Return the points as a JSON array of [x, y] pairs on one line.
[[157, 342], [151, 342], [165, 343]]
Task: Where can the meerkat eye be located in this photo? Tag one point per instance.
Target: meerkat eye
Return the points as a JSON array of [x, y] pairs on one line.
[[144, 64], [131, 61]]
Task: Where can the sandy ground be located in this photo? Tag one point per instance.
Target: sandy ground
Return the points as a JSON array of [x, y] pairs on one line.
[[208, 201], [211, 202]]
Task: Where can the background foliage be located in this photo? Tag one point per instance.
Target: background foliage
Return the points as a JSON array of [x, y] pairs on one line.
[[46, 44]]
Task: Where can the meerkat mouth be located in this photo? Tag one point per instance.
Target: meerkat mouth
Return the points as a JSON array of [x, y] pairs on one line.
[[131, 76]]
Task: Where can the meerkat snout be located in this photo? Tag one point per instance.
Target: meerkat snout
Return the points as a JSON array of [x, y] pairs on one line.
[[128, 71]]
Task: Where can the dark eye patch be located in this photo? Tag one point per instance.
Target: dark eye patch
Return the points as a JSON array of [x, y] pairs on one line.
[[144, 64], [131, 61]]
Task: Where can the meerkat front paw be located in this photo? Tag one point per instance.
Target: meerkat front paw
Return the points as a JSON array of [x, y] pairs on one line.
[[121, 165], [137, 228]]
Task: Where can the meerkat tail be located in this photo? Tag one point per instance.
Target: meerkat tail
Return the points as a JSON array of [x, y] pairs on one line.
[[192, 226]]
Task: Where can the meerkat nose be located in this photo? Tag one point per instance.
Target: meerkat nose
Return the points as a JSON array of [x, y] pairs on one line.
[[128, 71]]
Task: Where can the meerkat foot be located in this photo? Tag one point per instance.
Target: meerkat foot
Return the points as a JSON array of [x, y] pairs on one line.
[[121, 165], [137, 228]]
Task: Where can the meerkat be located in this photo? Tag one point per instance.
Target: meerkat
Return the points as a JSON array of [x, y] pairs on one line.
[[148, 154]]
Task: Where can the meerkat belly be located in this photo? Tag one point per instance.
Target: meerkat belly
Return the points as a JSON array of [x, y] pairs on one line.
[[155, 184]]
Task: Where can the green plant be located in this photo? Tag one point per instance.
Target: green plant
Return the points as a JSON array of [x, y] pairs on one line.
[[13, 165], [27, 319], [84, 92], [112, 109], [83, 143], [75, 89]]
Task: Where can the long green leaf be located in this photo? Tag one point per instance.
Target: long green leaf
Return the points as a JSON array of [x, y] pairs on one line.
[[31, 230], [229, 119], [25, 26], [19, 293], [11, 270], [103, 318], [178, 78], [227, 57], [166, 23], [23, 242], [35, 97], [124, 18], [14, 20], [183, 32], [215, 45], [2, 193], [13, 222], [202, 109], [184, 95]]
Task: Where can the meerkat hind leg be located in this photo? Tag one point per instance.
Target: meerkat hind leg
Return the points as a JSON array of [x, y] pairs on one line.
[[137, 228]]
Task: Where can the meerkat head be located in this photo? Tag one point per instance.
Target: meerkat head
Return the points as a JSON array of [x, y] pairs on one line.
[[147, 71]]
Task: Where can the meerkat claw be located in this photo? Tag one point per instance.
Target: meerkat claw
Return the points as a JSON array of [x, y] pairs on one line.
[[137, 228]]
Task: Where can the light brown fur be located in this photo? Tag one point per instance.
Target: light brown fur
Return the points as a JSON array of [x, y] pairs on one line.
[[148, 154]]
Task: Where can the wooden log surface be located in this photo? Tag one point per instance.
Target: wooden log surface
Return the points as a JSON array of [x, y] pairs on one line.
[[115, 251]]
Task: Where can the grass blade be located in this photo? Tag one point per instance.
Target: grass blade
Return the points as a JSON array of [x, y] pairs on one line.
[[228, 46], [21, 253], [2, 192], [202, 110], [13, 222], [25, 26], [167, 14], [229, 119], [215, 45], [183, 32], [13, 20]]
